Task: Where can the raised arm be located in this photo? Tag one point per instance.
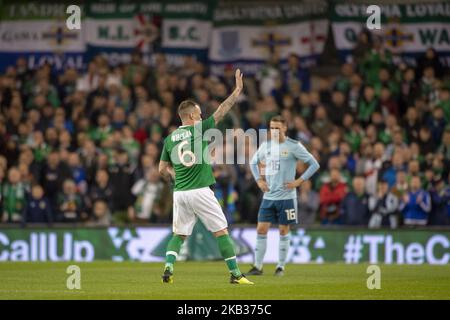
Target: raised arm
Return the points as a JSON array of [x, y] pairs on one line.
[[225, 106]]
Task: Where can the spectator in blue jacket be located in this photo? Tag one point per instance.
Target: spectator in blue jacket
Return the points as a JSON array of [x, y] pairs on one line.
[[355, 206], [392, 168], [440, 200], [38, 208], [416, 204], [78, 172], [296, 75]]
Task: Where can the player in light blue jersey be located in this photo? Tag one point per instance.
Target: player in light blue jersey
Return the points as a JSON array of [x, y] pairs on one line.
[[278, 158]]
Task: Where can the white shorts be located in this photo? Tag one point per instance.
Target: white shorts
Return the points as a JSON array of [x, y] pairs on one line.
[[197, 203]]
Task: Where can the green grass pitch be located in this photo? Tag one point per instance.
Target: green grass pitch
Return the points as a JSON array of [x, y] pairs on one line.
[[209, 281]]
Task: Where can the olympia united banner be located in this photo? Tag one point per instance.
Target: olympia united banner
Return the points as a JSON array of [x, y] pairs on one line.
[[407, 29]]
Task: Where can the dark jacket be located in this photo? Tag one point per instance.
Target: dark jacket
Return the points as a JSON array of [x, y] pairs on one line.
[[355, 209], [101, 193], [52, 180], [439, 207], [121, 178], [37, 211]]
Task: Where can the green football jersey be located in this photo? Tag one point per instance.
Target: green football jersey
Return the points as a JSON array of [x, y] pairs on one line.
[[188, 153]]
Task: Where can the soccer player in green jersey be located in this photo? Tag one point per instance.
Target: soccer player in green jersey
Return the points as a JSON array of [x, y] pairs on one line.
[[193, 177]]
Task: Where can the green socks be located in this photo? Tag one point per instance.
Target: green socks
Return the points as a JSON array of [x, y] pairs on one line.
[[226, 248], [173, 248]]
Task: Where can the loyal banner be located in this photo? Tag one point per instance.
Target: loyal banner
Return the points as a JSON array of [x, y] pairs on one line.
[[407, 29], [148, 244], [176, 28], [248, 35], [37, 31]]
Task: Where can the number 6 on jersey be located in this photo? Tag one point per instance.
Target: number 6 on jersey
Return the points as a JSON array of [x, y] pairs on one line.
[[186, 153]]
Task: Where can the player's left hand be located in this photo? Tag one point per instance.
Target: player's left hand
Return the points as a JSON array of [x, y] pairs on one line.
[[239, 83], [293, 184]]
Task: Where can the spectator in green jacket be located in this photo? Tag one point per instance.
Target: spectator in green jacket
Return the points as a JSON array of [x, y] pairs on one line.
[[13, 195]]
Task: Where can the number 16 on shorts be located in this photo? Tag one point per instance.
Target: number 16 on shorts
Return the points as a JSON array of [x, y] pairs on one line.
[[290, 214]]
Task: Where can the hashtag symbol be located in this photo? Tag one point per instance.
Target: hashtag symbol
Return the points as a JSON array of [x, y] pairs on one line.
[[353, 249]]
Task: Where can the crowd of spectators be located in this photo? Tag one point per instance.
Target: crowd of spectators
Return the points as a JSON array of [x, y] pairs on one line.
[[84, 146]]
